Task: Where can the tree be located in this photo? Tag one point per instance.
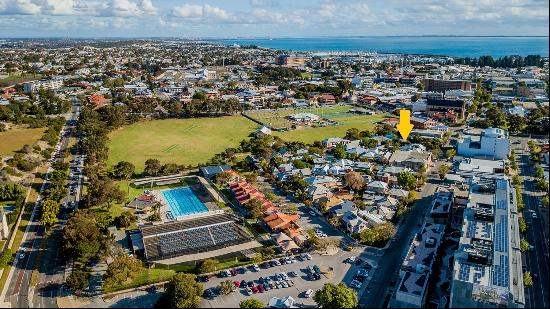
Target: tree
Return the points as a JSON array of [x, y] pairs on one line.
[[539, 171], [522, 225], [407, 180], [152, 167], [450, 153], [255, 208], [545, 201], [126, 219], [251, 303], [209, 265], [523, 245], [223, 177], [78, 280], [339, 152], [336, 296], [353, 134], [123, 170], [82, 238], [527, 279], [542, 185], [121, 269], [181, 292], [443, 170], [5, 257], [226, 287], [354, 180], [378, 235], [50, 210]]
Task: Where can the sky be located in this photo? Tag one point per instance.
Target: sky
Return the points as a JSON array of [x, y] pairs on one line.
[[271, 18]]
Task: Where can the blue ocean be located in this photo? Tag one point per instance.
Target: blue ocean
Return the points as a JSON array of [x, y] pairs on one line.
[[426, 45]]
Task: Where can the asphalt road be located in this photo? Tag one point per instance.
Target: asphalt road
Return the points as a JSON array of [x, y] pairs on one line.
[[536, 260], [19, 284], [387, 273]]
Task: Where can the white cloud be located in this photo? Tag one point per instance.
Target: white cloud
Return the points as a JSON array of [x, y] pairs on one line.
[[188, 11], [19, 7], [148, 7]]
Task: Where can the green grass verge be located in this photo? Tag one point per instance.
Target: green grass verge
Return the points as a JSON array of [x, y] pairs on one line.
[[144, 277], [180, 141]]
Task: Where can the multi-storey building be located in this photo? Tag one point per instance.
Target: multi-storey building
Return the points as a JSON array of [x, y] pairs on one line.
[[487, 269]]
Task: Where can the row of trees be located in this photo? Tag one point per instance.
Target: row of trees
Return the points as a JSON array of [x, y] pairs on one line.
[[502, 62], [52, 196]]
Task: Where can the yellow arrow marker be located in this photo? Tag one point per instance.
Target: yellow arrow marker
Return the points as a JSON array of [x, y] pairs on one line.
[[404, 127]]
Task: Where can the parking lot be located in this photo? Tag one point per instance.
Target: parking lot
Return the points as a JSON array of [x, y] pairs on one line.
[[342, 271]]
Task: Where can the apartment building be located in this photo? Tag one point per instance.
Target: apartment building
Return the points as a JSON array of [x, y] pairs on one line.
[[442, 85], [34, 86], [416, 269], [492, 143], [487, 267]]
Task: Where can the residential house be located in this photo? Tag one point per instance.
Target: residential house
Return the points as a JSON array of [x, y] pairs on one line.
[[353, 223], [377, 187]]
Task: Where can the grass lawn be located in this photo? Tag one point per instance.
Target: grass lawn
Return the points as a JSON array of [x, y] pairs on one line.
[[144, 277], [345, 121], [14, 140], [18, 78], [181, 141]]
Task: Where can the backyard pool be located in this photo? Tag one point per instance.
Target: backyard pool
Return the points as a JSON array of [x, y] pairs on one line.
[[183, 202]]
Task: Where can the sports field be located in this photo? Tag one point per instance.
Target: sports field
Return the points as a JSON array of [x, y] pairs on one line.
[[14, 140], [341, 114], [180, 141]]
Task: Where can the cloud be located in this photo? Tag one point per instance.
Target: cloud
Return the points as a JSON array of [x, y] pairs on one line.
[[111, 8], [19, 7]]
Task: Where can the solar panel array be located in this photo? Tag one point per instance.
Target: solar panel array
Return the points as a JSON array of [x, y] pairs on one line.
[[192, 236], [471, 232], [464, 272], [486, 229], [502, 184], [480, 272], [502, 204], [198, 240], [501, 272], [501, 234]]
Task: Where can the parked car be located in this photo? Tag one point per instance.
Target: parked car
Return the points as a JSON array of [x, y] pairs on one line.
[[316, 269], [309, 293], [256, 267], [293, 274], [351, 259], [308, 256], [312, 213], [355, 284], [248, 291]]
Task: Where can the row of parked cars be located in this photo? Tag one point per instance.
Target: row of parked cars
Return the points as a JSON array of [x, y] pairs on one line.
[[362, 273], [255, 267]]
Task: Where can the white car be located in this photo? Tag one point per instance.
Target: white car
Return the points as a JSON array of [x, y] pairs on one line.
[[534, 215], [312, 213], [256, 267], [308, 256], [323, 235], [355, 284], [352, 259], [309, 293]]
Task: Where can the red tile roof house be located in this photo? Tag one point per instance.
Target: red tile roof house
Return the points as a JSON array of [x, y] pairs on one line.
[[98, 101], [244, 192], [327, 98]]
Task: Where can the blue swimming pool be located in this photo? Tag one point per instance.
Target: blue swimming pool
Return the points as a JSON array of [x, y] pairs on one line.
[[183, 202]]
